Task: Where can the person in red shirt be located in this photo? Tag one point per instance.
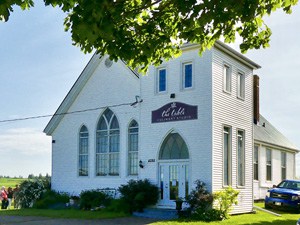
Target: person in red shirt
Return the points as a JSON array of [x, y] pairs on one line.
[[4, 198]]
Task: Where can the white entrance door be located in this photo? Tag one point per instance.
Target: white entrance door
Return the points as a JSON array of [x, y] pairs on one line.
[[173, 182]]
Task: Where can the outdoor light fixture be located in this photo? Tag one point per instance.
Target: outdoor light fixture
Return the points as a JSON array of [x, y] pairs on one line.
[[137, 100], [141, 164]]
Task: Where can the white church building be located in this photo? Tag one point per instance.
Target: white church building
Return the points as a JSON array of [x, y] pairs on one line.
[[189, 118]]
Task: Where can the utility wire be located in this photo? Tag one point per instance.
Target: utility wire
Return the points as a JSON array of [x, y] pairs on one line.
[[66, 113]]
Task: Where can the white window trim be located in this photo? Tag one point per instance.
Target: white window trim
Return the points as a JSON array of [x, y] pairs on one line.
[[229, 156], [128, 145], [182, 75], [157, 80], [257, 163], [238, 85], [78, 156], [108, 153], [285, 166], [229, 68], [243, 158], [269, 164]]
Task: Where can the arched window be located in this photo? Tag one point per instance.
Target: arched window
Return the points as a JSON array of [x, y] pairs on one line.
[[107, 145], [133, 146], [174, 147], [83, 159]]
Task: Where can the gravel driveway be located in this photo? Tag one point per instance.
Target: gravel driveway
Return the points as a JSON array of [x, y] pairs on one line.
[[29, 220]]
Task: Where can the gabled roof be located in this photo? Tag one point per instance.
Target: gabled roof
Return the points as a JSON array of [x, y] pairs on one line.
[[73, 93], [76, 89], [266, 133]]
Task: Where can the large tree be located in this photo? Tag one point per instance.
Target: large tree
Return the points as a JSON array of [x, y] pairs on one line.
[[142, 32]]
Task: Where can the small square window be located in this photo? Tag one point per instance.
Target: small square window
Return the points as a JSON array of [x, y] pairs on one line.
[[187, 76]]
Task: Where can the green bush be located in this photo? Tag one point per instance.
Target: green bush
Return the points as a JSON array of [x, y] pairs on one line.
[[30, 191], [225, 199], [207, 215], [199, 199], [118, 205], [139, 194], [91, 199], [51, 200]]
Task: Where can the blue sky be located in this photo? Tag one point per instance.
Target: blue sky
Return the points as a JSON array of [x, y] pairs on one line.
[[39, 64]]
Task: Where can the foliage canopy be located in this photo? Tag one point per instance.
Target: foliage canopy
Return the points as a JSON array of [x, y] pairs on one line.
[[142, 32]]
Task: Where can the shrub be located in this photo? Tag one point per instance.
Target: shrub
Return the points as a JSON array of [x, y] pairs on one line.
[[199, 199], [207, 215], [30, 191], [139, 194], [118, 205], [91, 199], [225, 199], [51, 200]]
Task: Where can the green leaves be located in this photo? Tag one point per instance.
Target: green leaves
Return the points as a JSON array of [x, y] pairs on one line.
[[143, 32], [6, 7]]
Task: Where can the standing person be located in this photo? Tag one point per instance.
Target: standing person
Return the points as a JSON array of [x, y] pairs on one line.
[[15, 192], [9, 196], [4, 198]]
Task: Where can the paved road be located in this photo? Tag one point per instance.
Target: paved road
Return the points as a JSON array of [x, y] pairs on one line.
[[29, 220]]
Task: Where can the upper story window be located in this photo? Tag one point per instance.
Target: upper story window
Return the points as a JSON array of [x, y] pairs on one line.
[[133, 147], [161, 82], [241, 85], [227, 78], [283, 165], [226, 156], [187, 75], [83, 157], [107, 145], [268, 164], [241, 158], [255, 163]]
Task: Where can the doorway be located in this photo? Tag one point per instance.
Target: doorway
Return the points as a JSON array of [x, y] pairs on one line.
[[173, 170]]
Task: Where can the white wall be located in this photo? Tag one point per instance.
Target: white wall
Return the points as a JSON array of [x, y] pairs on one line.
[[262, 185], [106, 87], [236, 113], [196, 133]]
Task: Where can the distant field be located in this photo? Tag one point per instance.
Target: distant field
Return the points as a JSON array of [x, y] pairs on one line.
[[10, 182]]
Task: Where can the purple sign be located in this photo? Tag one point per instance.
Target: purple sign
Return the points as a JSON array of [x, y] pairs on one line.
[[175, 111]]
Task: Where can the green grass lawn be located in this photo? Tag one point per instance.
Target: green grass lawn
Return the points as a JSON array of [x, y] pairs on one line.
[[10, 182], [259, 218]]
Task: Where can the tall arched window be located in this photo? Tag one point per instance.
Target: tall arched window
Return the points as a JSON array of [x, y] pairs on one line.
[[133, 146], [83, 159], [174, 147], [107, 145]]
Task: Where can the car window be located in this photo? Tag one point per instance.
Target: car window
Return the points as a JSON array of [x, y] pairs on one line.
[[289, 185]]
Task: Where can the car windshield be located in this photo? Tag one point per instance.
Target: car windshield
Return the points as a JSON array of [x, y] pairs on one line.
[[289, 184]]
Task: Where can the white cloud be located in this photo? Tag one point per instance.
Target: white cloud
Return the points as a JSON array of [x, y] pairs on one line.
[[25, 141]]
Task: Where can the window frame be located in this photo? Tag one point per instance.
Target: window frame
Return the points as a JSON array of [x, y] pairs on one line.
[[183, 75], [227, 72], [241, 86], [80, 154], [283, 164], [106, 152], [157, 89], [242, 161], [227, 181], [268, 165], [136, 151], [256, 163]]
